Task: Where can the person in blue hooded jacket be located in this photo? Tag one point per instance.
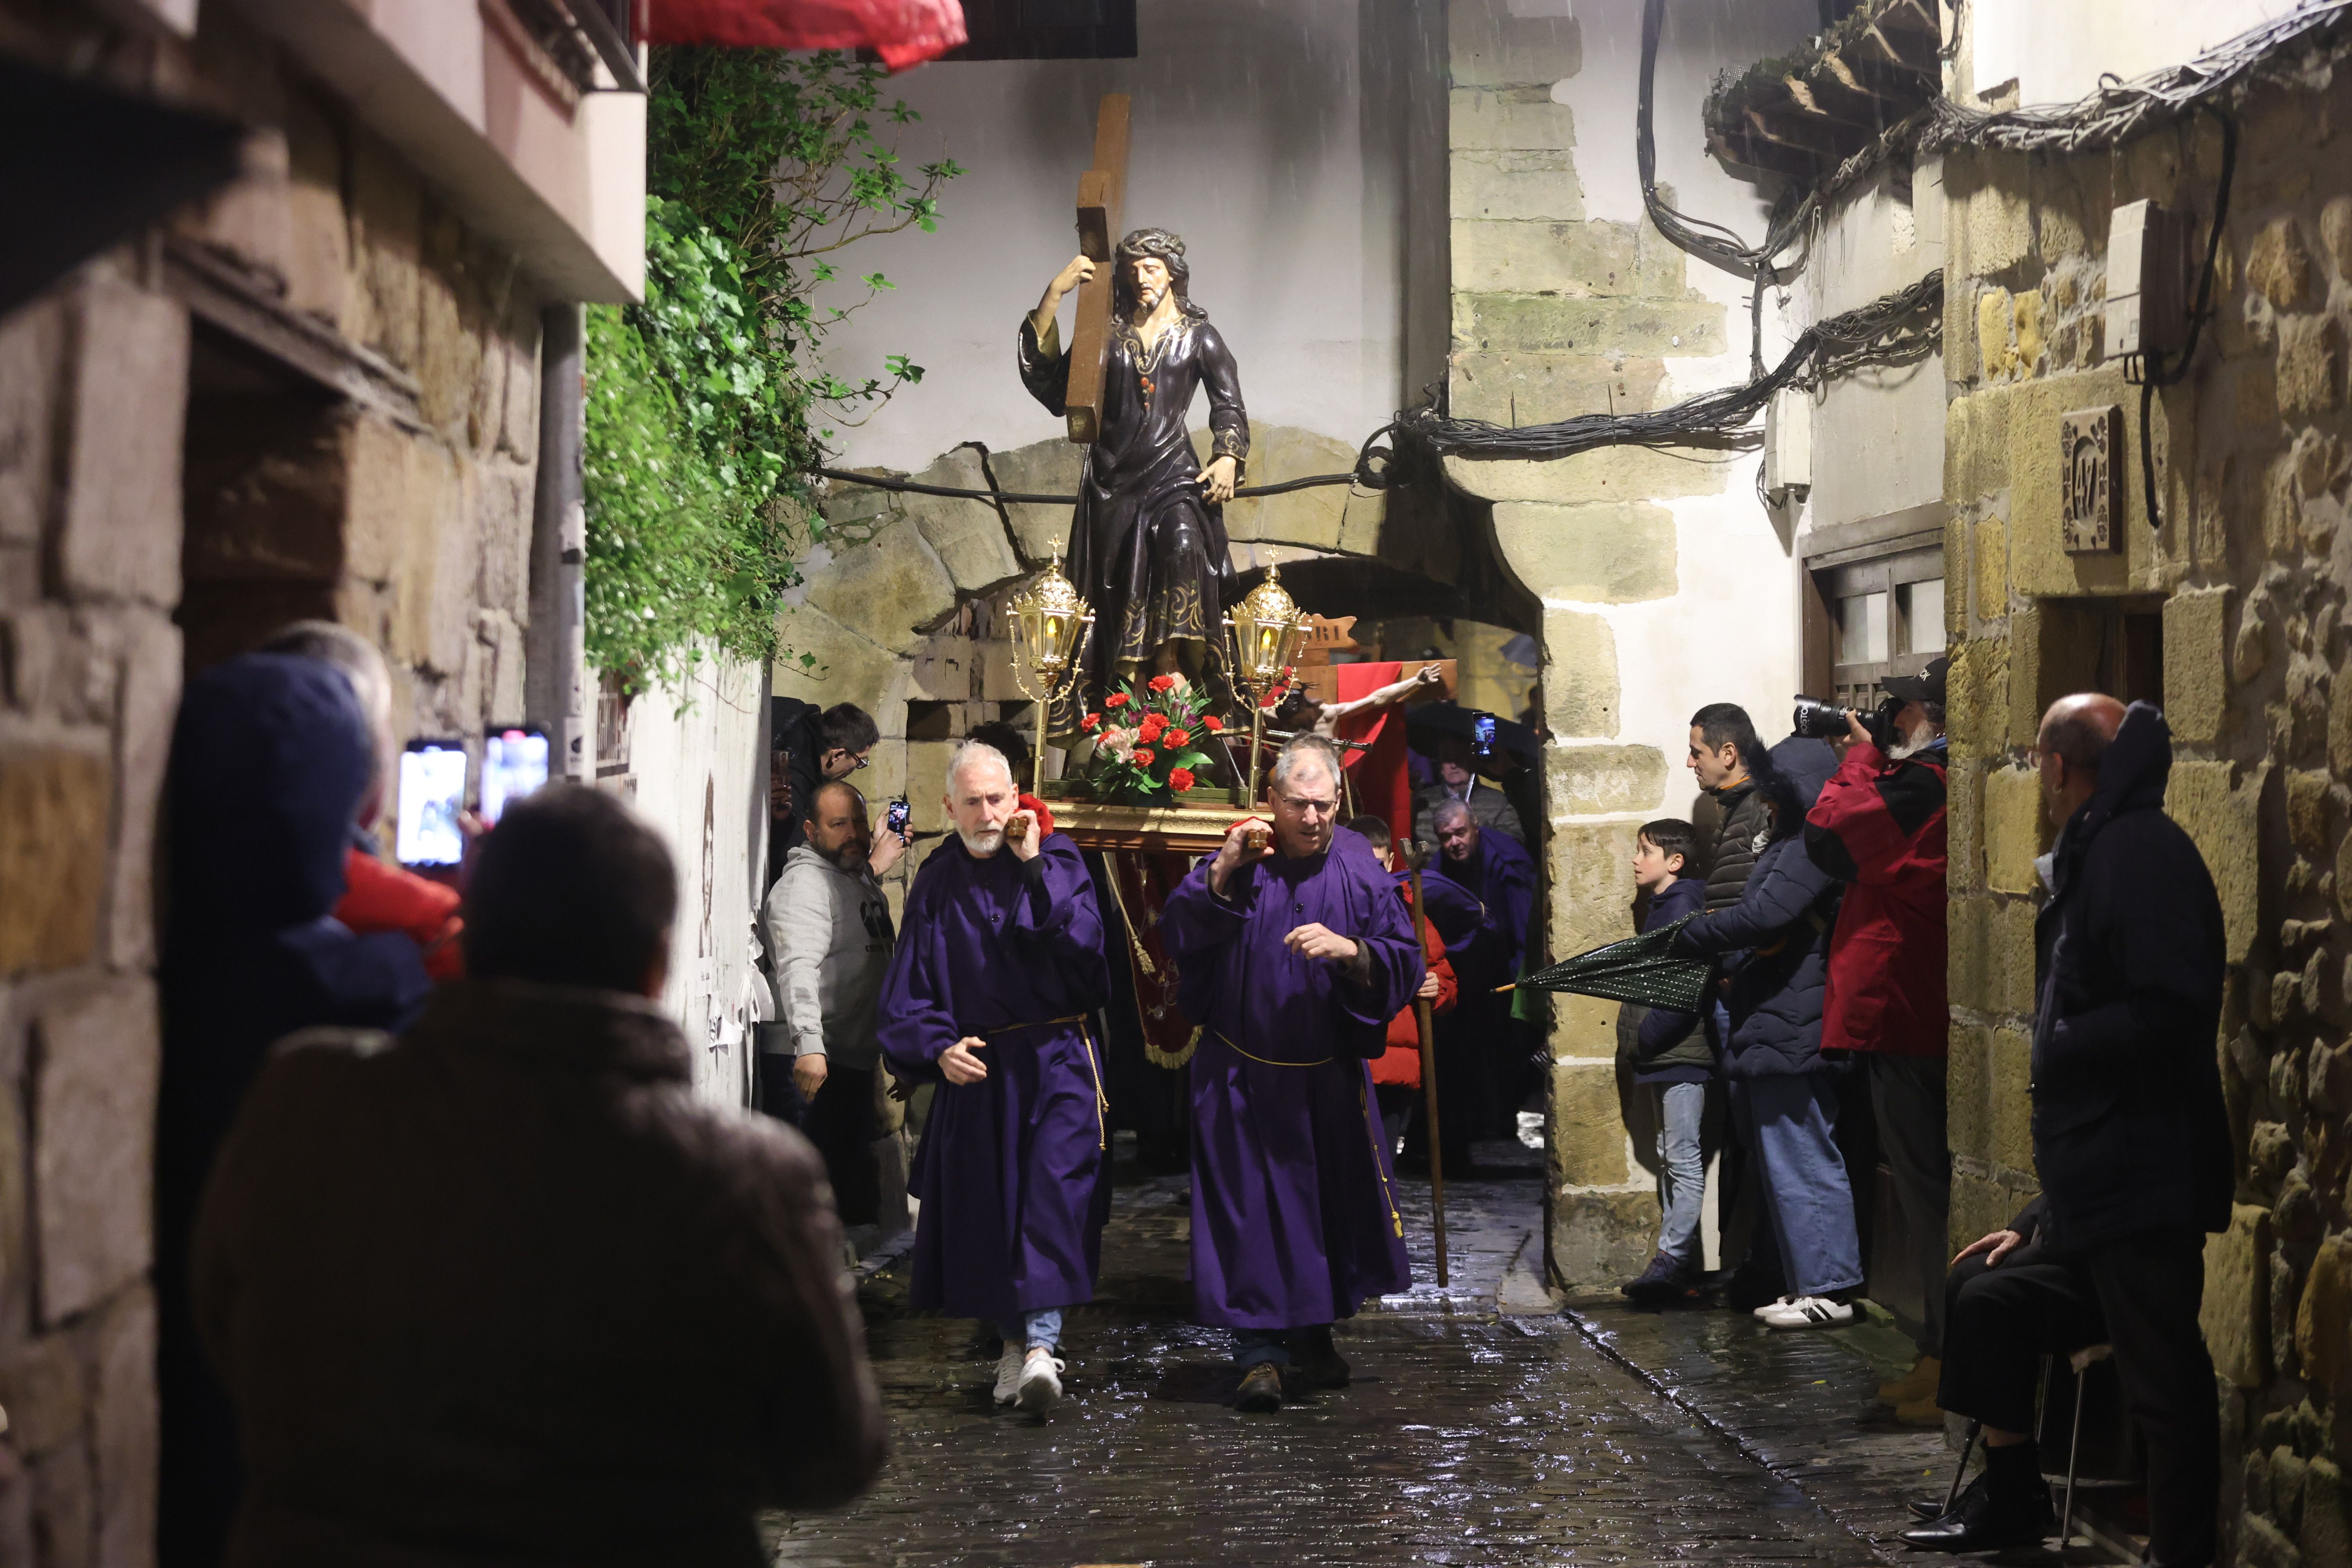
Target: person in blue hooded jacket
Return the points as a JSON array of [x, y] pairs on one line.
[[270, 756], [1772, 947]]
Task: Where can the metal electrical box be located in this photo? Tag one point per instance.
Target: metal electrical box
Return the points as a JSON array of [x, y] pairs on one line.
[[1789, 445], [2147, 275]]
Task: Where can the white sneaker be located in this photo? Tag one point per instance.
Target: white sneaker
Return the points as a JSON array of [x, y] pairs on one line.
[[1810, 1312], [1041, 1381], [1008, 1373], [1768, 1308]]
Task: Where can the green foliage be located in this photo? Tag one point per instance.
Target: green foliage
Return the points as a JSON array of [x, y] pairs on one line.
[[706, 405]]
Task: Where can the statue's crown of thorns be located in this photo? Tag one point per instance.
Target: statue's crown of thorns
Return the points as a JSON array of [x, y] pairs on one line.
[[1157, 242]]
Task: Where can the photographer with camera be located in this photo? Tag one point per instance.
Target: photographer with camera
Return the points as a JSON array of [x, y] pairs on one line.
[[1878, 826]]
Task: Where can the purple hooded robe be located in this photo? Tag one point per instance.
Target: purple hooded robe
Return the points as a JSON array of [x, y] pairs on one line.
[[1294, 1219], [1009, 1170]]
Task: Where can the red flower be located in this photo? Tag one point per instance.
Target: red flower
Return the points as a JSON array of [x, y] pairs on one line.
[[1145, 756], [1273, 697], [1152, 726], [1214, 725], [1161, 683], [1175, 737], [1180, 780], [1116, 700], [1089, 721]]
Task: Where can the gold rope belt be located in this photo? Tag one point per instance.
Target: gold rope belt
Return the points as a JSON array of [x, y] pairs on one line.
[[1269, 1061], [1102, 1100]]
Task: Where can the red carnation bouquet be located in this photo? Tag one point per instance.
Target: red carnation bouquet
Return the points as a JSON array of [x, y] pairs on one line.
[[1148, 739]]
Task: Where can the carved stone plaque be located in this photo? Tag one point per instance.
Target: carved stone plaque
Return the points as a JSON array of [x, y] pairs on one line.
[[2089, 441]]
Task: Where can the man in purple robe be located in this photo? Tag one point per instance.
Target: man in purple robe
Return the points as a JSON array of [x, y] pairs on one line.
[[1293, 959], [1480, 1079], [1000, 962]]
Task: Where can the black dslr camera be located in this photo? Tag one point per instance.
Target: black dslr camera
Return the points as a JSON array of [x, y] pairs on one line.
[[1818, 720]]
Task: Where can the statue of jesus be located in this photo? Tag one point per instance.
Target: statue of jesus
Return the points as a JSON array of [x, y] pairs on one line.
[[1147, 540]]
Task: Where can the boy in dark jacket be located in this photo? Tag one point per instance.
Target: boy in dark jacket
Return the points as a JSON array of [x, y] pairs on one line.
[[1672, 1061], [1775, 943]]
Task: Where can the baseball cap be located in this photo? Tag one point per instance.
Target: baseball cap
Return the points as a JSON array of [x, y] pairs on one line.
[[1928, 687]]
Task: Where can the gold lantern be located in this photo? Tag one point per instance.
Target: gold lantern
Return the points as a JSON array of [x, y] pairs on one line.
[[1051, 627], [1266, 630]]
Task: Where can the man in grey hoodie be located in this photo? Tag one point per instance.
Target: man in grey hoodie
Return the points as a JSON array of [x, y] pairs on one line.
[[830, 936]]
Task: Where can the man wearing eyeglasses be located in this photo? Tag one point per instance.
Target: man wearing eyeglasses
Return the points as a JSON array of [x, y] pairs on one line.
[[808, 747], [1294, 957]]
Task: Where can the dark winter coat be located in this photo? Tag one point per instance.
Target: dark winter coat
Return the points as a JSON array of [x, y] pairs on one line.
[[1668, 1045], [1776, 943], [1746, 829], [1878, 826], [504, 1289], [2129, 1131]]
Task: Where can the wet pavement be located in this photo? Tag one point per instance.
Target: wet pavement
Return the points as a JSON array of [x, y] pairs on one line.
[[1470, 1435]]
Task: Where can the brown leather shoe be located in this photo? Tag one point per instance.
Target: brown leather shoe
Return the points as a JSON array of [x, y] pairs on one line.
[[1261, 1389]]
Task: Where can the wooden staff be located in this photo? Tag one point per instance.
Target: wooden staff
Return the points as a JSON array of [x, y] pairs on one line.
[[1417, 855], [1102, 194]]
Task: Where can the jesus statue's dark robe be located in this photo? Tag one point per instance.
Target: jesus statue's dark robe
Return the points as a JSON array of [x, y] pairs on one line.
[[1145, 549]]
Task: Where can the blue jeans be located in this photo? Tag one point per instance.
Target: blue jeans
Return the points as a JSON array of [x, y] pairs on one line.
[[1682, 1168], [1789, 1120], [1040, 1330]]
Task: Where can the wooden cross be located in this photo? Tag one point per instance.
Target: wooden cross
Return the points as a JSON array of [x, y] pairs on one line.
[[1102, 194]]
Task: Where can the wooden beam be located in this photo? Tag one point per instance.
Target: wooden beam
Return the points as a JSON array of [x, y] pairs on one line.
[[1102, 196]]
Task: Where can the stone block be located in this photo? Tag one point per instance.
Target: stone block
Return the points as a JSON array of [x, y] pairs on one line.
[[504, 501], [1982, 1204], [319, 239], [1588, 1132], [2195, 668], [1969, 1092], [1562, 259], [451, 329], [1584, 1028], [123, 1440], [2323, 1318], [2325, 1537], [2011, 958], [2307, 809], [1978, 714], [1635, 327], [2038, 563], [1508, 119], [1526, 387], [33, 342], [1964, 826], [1623, 475], [142, 742], [1988, 568], [1279, 453], [1611, 553], [2310, 366], [517, 343], [1361, 521], [942, 670], [1488, 44], [1998, 218], [2012, 829], [825, 662], [967, 536], [2012, 1103], [2222, 815], [1582, 696], [387, 231], [1590, 780], [2278, 265], [119, 536], [55, 802], [1976, 446], [1592, 883], [1996, 333], [1042, 467], [927, 773], [891, 590], [1600, 1239], [41, 1388], [1514, 185], [93, 1150], [251, 220]]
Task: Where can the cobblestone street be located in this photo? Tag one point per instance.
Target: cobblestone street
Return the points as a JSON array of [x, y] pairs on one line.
[[1472, 1433]]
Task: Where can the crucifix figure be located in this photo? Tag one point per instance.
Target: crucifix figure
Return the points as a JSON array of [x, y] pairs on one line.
[[1148, 538]]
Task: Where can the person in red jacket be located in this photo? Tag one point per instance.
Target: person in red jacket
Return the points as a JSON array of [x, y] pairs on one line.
[[379, 895], [1878, 826], [1396, 1072]]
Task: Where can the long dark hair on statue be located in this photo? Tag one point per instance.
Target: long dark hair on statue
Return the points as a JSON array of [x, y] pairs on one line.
[[1170, 249]]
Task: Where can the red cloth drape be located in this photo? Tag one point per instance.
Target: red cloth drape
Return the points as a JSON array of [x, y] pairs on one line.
[[903, 32], [1384, 787]]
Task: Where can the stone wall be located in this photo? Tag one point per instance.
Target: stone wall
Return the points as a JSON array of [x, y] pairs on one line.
[[1631, 552], [132, 441], [2250, 569]]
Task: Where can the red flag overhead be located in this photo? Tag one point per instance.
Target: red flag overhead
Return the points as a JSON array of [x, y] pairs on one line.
[[903, 32]]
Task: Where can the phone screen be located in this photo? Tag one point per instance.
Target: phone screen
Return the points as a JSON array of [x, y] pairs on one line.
[[514, 764], [432, 791]]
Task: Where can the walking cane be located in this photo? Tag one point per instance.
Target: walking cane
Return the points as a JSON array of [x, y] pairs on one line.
[[1417, 855]]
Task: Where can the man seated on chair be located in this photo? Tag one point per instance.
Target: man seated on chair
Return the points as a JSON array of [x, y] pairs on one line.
[[2131, 1141]]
